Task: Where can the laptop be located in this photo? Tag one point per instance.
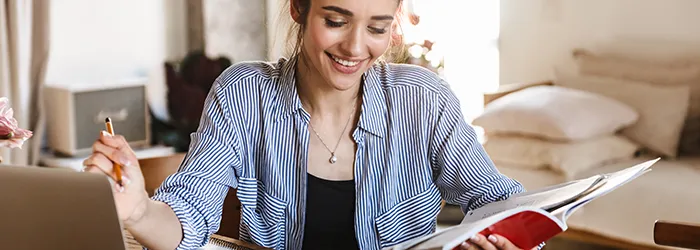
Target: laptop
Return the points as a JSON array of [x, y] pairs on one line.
[[52, 208]]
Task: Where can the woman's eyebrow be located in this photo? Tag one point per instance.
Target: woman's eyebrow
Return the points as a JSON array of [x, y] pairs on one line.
[[382, 18], [350, 14], [339, 10]]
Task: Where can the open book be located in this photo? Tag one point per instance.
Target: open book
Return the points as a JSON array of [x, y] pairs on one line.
[[529, 218]]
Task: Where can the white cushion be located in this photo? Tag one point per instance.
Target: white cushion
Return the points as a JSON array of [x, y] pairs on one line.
[[555, 113], [662, 109], [567, 158]]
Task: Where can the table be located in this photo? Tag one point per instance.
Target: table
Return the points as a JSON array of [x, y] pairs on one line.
[[76, 163], [216, 242], [677, 234]]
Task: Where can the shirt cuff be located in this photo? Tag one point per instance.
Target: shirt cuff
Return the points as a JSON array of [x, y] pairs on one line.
[[191, 237]]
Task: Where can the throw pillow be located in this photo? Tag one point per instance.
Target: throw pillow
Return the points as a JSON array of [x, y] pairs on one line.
[[555, 113], [654, 69], [567, 158], [662, 109], [637, 69]]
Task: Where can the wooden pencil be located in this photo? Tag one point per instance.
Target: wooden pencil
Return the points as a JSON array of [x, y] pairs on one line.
[[117, 168]]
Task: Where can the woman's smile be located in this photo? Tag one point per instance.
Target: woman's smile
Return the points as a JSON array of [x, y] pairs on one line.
[[345, 66]]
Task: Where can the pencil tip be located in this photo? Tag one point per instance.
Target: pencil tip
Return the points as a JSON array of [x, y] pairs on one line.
[[108, 120]]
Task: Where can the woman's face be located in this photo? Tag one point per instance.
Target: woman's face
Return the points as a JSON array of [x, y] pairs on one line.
[[343, 38]]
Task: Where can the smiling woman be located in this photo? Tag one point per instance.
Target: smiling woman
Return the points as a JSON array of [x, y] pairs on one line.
[[331, 38], [329, 148]]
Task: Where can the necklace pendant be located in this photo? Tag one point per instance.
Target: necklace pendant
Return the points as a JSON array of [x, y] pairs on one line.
[[333, 159]]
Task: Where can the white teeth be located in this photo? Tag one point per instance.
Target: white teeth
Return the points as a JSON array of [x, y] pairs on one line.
[[344, 62]]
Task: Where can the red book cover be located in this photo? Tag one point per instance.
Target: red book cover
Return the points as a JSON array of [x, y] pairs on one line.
[[526, 229], [531, 218]]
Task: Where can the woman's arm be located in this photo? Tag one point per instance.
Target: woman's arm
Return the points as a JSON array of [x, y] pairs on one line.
[[186, 208], [465, 175], [158, 228]]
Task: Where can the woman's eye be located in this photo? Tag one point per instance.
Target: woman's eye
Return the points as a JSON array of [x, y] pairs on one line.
[[377, 30], [333, 24]]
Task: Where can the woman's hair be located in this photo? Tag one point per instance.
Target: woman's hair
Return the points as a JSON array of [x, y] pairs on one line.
[[295, 32]]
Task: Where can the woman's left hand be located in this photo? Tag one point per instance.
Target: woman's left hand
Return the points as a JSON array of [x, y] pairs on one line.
[[492, 242]]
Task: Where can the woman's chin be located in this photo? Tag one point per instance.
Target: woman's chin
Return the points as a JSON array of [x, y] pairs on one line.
[[343, 85], [343, 81]]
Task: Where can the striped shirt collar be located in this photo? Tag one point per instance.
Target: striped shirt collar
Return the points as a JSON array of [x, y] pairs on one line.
[[374, 110]]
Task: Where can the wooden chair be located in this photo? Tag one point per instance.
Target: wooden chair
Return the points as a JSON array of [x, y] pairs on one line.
[[156, 169], [677, 234]]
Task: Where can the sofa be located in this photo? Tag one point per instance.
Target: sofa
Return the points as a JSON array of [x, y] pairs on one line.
[[611, 107]]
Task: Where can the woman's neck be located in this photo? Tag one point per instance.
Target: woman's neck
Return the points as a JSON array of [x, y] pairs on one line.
[[318, 97]]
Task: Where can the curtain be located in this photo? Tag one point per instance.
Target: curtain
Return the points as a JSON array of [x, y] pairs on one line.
[[24, 51]]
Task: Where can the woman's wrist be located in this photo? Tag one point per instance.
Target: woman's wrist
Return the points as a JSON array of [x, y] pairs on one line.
[[140, 213]]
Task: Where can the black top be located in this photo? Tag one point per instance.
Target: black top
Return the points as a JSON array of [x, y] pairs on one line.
[[330, 214]]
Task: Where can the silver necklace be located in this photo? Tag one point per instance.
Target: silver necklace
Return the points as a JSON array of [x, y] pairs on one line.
[[333, 158]]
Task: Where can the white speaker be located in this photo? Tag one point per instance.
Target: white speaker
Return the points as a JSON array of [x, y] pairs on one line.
[[76, 114]]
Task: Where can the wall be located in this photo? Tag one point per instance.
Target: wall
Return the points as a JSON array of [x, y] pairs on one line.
[[94, 42], [97, 42], [538, 34], [276, 28], [235, 29]]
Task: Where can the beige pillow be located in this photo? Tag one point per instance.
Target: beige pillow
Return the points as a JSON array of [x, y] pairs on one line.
[[555, 113], [670, 51], [638, 69], [662, 109], [568, 158], [666, 68]]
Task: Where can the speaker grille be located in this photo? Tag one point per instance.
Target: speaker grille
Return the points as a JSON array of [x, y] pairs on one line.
[[125, 106]]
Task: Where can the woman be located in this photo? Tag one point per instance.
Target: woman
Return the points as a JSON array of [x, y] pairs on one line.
[[329, 149]]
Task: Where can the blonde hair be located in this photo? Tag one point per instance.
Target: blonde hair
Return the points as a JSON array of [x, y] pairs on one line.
[[295, 31]]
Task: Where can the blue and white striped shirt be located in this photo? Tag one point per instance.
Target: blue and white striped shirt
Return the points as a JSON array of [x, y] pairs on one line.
[[414, 149]]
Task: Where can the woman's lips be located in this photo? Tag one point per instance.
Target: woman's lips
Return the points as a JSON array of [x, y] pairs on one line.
[[345, 66]]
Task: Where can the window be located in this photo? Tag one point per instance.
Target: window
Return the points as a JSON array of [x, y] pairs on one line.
[[466, 36]]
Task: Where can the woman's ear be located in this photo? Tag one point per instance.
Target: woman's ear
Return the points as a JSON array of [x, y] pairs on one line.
[[294, 10]]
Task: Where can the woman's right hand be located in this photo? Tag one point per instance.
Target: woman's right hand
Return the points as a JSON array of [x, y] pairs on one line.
[[131, 199]]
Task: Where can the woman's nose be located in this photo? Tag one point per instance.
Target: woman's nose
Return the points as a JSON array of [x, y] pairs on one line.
[[354, 42]]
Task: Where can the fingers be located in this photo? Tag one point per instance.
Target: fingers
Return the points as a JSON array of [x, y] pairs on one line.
[[114, 154], [468, 246], [501, 242], [115, 141], [492, 242], [99, 163], [481, 242]]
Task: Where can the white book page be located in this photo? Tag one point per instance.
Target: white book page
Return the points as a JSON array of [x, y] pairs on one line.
[[541, 198], [612, 182]]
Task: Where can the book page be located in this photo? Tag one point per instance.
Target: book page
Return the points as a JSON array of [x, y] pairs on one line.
[[612, 181], [541, 198]]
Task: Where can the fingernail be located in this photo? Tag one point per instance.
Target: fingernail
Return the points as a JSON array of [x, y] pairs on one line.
[[465, 244], [493, 238], [104, 133], [119, 188], [124, 161], [475, 238], [126, 180]]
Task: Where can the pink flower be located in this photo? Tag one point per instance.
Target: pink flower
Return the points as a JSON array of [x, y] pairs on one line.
[[10, 134]]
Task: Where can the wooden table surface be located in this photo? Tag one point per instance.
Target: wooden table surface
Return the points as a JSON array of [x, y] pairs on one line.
[[216, 241]]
